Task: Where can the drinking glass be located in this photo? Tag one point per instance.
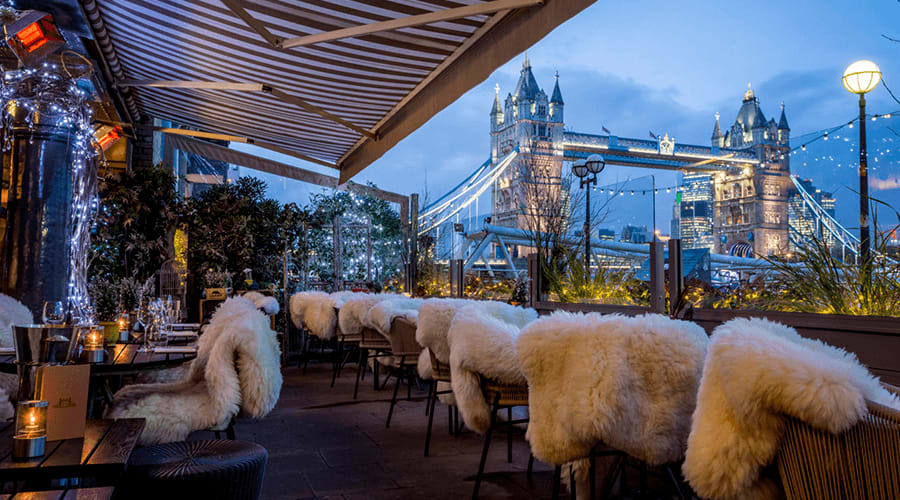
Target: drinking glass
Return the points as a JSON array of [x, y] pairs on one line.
[[54, 313], [157, 335]]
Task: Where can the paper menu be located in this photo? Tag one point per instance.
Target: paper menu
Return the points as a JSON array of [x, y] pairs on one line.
[[65, 387]]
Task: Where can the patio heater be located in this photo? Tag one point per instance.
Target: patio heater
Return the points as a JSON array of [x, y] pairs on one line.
[[34, 260]]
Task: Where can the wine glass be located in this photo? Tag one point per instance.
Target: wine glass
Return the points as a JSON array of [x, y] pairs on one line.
[[54, 313]]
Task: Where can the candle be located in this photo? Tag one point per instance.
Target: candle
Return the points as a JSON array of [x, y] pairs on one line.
[[94, 340], [31, 429], [32, 419]]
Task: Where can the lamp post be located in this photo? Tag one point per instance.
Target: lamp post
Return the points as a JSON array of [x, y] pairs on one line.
[[860, 78], [586, 170]]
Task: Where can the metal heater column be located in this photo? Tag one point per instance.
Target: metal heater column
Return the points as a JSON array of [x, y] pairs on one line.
[[34, 259]]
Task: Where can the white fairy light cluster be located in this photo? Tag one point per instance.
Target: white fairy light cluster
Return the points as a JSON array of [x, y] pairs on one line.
[[48, 95]]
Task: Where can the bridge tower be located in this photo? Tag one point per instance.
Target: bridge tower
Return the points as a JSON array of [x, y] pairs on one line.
[[751, 206], [533, 123]]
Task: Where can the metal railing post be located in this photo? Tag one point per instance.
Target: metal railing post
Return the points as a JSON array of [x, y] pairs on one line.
[[657, 277], [676, 275], [457, 279]]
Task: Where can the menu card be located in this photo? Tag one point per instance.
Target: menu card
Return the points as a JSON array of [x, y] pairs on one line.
[[65, 387]]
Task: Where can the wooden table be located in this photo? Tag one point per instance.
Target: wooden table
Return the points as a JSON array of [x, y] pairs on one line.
[[121, 359], [69, 494], [102, 453]]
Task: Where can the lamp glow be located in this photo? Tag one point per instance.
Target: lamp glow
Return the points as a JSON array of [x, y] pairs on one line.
[[861, 77]]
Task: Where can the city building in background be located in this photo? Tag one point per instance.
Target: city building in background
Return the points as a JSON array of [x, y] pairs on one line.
[[636, 234], [694, 204]]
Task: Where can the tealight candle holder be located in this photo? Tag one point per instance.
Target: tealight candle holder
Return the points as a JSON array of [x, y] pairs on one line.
[[31, 429], [124, 326], [92, 342]]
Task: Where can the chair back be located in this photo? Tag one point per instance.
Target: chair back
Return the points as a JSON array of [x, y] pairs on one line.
[[403, 338], [439, 371], [863, 462], [370, 338]]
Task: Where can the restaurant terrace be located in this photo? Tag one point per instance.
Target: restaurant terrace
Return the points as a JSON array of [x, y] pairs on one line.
[[169, 330]]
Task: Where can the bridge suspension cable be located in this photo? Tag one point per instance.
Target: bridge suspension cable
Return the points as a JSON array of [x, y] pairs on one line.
[[472, 188]]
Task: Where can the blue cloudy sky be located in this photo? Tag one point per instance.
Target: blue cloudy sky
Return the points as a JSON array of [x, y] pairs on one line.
[[669, 67]]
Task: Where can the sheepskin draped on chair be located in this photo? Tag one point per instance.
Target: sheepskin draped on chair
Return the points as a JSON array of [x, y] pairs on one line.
[[264, 303], [237, 369], [629, 384], [316, 312], [12, 312], [482, 340], [758, 376], [375, 345]]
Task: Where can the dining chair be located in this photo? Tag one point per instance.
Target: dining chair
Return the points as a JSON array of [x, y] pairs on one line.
[[861, 463]]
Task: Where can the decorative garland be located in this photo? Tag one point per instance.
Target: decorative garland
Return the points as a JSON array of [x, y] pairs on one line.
[[52, 90]]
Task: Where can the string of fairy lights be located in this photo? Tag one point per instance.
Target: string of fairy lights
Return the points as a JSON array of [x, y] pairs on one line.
[[805, 140], [31, 97]]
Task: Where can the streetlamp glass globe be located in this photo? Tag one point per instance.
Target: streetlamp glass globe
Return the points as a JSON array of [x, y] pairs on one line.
[[579, 168], [861, 77], [595, 163]]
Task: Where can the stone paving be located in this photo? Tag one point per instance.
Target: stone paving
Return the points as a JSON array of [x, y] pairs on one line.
[[323, 444]]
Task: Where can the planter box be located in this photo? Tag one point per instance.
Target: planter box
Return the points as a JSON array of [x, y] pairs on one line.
[[874, 339]]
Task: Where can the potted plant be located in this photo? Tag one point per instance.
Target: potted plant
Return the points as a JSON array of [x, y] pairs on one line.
[[105, 296], [216, 283]]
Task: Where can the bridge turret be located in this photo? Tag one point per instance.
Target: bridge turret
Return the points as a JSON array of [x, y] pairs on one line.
[[556, 103], [718, 140], [496, 111], [784, 131]]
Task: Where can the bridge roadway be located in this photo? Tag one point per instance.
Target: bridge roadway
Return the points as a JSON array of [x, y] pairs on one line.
[[646, 153]]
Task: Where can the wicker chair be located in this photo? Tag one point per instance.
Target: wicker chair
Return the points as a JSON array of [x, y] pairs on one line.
[[440, 372], [371, 345], [347, 343], [863, 462], [507, 396], [405, 351]]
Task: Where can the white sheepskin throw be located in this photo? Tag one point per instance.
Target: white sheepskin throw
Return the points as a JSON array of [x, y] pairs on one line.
[[628, 382], [433, 323], [264, 303], [482, 341], [352, 314], [316, 311], [381, 315], [12, 312], [237, 368], [758, 371]]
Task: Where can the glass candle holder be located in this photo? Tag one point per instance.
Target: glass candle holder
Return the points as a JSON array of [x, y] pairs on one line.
[[92, 341], [31, 429]]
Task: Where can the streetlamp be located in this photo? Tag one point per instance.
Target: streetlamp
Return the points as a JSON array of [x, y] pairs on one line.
[[859, 78], [586, 170]]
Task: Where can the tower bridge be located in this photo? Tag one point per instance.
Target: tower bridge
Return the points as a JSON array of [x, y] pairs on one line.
[[745, 171], [644, 153]]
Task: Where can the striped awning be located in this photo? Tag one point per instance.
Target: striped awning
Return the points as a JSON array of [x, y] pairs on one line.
[[336, 82]]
